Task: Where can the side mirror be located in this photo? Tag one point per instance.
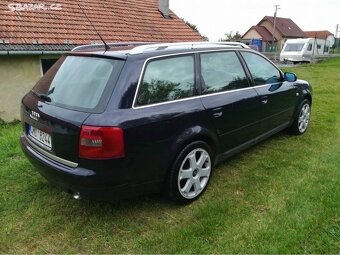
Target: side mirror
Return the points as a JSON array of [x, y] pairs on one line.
[[291, 77]]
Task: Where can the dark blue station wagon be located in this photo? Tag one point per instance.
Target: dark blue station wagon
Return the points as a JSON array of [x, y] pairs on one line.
[[144, 118]]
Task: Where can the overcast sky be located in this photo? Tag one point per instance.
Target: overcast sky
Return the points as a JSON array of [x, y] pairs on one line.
[[214, 18]]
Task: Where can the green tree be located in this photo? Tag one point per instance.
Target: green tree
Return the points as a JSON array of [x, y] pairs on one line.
[[231, 36], [194, 27], [161, 90]]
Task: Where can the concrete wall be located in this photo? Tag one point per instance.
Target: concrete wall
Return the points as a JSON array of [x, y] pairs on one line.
[[281, 43], [270, 28], [251, 34], [18, 74]]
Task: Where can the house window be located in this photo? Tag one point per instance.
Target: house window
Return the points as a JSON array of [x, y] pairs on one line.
[[46, 64], [319, 46]]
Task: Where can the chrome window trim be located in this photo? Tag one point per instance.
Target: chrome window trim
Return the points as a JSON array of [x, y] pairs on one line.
[[167, 102], [195, 97], [188, 98], [199, 96], [225, 92], [51, 156]]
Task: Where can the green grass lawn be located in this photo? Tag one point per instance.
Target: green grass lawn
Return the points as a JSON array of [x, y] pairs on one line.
[[335, 51], [281, 196]]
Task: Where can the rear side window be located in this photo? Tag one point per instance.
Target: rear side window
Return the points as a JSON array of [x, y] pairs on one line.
[[167, 79], [262, 71], [222, 71], [80, 83]]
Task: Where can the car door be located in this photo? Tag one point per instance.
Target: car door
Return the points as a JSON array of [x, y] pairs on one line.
[[231, 102], [165, 109], [277, 97]]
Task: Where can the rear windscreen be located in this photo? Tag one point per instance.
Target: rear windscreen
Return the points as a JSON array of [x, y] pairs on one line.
[[80, 83], [294, 46]]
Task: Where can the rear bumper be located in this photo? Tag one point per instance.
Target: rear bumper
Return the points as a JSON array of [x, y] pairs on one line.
[[89, 183]]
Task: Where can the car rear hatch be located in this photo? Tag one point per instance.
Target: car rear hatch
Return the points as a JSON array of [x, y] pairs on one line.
[[54, 111]]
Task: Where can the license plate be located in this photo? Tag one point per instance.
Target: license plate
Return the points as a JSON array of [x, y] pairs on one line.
[[40, 136]]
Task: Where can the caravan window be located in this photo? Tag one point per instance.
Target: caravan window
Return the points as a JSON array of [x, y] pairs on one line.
[[326, 49], [310, 47], [294, 46]]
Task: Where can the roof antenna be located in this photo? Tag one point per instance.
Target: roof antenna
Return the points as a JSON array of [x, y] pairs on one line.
[[101, 38]]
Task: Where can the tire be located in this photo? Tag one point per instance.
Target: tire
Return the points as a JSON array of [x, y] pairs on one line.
[[190, 173], [301, 119]]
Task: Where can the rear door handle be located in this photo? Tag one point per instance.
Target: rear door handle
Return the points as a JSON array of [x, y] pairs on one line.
[[264, 100], [217, 114]]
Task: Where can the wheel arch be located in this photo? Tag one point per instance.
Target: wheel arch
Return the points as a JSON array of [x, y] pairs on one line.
[[186, 142], [197, 133], [306, 92], [308, 96], [189, 135]]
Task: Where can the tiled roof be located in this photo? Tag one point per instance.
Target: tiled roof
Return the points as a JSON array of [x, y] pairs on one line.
[[318, 34], [37, 47], [263, 32], [116, 21], [285, 26]]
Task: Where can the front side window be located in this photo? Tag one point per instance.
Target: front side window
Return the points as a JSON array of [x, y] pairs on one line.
[[262, 71], [167, 79], [222, 71]]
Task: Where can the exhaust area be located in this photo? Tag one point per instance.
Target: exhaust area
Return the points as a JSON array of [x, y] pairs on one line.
[[76, 195]]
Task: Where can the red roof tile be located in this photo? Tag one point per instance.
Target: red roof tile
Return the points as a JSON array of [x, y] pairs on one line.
[[263, 32], [285, 26], [116, 20], [318, 34]]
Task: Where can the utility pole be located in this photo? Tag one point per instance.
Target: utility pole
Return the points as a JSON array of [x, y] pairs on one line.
[[336, 37], [277, 7]]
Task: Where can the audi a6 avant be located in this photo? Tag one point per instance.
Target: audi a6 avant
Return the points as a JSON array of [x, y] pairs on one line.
[[144, 118]]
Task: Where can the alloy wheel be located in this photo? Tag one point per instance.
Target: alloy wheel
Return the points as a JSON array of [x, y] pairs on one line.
[[304, 118], [194, 173]]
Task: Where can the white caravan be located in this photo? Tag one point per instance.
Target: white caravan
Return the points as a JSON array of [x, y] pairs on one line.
[[304, 50]]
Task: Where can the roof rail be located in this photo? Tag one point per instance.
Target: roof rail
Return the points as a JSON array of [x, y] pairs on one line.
[[98, 46], [192, 45]]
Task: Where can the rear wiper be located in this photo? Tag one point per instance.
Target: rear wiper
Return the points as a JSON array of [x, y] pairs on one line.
[[42, 96], [45, 97]]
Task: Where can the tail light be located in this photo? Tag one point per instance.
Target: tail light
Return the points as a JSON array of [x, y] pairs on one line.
[[101, 142]]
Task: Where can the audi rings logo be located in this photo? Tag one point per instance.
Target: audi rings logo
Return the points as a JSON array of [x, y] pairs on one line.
[[34, 115]]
